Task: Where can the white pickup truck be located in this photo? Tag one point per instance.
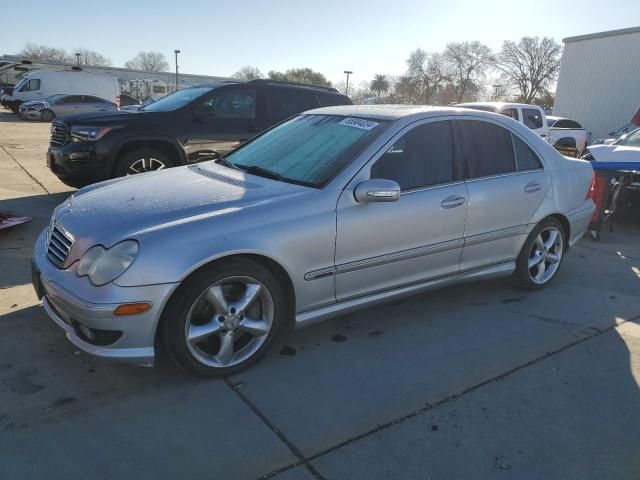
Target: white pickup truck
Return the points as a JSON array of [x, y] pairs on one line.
[[564, 134]]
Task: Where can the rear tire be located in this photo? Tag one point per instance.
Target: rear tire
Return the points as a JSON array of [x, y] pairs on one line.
[[141, 160], [236, 302], [47, 115], [541, 255]]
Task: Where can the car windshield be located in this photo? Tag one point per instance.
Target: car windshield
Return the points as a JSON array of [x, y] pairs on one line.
[[307, 149], [176, 100]]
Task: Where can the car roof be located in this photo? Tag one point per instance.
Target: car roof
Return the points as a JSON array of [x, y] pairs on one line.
[[394, 112], [497, 105], [555, 119]]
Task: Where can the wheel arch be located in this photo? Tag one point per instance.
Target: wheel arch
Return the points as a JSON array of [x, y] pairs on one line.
[[564, 221], [164, 145], [272, 265]]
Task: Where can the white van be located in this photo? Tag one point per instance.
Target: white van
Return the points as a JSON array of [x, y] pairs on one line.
[[43, 84]]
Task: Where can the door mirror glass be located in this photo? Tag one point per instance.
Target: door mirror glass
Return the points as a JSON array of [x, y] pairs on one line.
[[377, 190]]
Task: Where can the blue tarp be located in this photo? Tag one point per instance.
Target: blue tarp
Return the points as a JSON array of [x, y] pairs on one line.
[[616, 166]]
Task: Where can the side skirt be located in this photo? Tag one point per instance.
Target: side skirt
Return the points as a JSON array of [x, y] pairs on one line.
[[311, 317]]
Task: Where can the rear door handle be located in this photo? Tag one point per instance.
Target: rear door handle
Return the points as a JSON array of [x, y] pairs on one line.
[[532, 187], [453, 201]]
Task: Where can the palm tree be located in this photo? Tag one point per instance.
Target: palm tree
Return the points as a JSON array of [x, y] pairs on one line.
[[379, 84]]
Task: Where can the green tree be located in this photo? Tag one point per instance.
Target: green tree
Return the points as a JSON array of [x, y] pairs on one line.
[[379, 84], [300, 75]]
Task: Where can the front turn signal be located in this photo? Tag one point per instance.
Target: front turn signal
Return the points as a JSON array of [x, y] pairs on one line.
[[131, 309]]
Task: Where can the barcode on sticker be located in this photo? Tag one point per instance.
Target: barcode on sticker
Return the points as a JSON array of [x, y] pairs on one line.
[[358, 123]]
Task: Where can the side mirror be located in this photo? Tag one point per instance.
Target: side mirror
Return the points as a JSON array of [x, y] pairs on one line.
[[377, 190]]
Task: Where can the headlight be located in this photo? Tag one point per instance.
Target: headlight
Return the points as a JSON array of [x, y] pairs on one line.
[[89, 134], [103, 265]]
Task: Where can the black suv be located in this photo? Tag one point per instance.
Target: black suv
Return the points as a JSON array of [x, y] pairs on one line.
[[190, 125]]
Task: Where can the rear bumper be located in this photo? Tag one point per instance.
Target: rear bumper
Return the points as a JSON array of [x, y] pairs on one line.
[[579, 220]]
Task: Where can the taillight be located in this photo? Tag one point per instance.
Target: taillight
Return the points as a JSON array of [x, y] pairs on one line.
[[592, 187], [118, 101]]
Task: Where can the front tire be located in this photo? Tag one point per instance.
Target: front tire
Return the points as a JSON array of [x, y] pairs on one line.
[[141, 160], [541, 255], [224, 318], [47, 115]]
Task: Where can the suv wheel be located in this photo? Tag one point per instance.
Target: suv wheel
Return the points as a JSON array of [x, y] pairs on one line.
[[224, 318], [140, 161]]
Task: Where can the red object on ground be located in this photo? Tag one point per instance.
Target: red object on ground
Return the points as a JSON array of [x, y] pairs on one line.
[[7, 221], [599, 189]]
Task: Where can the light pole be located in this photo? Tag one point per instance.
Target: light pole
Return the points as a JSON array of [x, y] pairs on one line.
[[346, 90], [176, 52], [78, 59]]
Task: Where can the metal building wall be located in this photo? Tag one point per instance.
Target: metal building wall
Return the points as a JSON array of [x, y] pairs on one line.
[[599, 81]]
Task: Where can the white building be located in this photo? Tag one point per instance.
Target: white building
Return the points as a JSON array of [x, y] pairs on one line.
[[599, 82]]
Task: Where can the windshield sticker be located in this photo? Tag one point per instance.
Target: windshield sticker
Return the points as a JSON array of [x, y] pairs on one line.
[[359, 123]]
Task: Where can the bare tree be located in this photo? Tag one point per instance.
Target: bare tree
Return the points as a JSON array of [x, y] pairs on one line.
[[90, 57], [428, 71], [32, 51], [466, 63], [149, 61], [248, 73], [531, 65]]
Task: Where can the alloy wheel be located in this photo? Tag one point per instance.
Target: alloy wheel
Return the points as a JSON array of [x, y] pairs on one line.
[[145, 165], [545, 255], [229, 322]]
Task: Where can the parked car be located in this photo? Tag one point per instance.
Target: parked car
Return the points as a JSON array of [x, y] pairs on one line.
[[616, 134], [125, 100], [333, 210], [625, 149], [187, 126], [566, 135], [141, 105], [40, 85], [58, 105]]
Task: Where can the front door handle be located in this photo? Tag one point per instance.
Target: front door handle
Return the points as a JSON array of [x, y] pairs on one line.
[[453, 201], [532, 187]]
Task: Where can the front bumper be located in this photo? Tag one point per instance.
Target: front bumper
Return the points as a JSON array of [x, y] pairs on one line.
[[29, 114], [81, 163], [90, 309]]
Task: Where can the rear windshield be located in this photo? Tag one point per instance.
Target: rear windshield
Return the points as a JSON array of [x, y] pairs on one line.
[[308, 149], [177, 99]]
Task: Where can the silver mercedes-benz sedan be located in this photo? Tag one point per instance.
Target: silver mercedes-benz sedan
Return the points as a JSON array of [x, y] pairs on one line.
[[330, 211]]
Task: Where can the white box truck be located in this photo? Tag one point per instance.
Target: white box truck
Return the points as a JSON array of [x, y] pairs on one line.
[[43, 84]]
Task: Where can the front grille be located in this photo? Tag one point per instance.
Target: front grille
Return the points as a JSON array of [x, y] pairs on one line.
[[59, 134], [58, 245]]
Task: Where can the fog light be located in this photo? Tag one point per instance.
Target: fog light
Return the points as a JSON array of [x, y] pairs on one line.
[[131, 309]]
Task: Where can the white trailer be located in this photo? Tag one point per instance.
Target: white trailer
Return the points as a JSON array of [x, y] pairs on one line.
[[599, 77]]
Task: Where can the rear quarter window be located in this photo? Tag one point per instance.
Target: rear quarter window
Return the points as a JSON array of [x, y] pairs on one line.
[[526, 158], [328, 99]]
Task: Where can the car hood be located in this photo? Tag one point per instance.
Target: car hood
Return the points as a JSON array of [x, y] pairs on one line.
[[614, 153], [110, 118], [127, 207]]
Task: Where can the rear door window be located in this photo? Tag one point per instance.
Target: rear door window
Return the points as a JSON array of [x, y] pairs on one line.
[[486, 148], [285, 102], [422, 157], [232, 103], [532, 118]]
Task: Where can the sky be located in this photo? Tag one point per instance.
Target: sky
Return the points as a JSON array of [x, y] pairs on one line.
[[217, 37]]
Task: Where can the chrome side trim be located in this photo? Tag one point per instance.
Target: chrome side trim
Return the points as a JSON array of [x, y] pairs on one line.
[[384, 259], [508, 174], [310, 317], [495, 235]]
